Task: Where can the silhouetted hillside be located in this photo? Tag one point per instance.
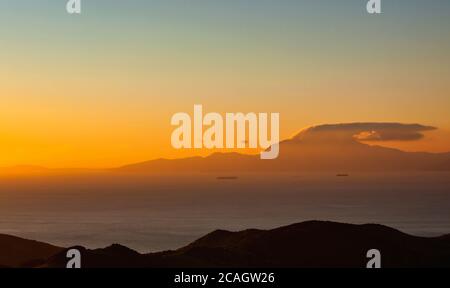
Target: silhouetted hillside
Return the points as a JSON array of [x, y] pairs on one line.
[[307, 244], [15, 251]]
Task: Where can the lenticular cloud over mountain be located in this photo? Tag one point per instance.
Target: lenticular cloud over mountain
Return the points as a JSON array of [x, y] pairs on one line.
[[367, 131]]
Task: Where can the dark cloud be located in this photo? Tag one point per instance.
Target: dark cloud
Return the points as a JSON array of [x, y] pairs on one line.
[[370, 131]]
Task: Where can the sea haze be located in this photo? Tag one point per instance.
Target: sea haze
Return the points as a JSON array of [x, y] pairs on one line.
[[153, 212]]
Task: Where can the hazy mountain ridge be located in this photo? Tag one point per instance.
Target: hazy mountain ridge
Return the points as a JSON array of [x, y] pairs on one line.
[[331, 147]]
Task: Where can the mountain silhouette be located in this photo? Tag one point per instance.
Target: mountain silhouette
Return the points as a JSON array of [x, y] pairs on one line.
[[307, 244], [333, 147], [15, 251]]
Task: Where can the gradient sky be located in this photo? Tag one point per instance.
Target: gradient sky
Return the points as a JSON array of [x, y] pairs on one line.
[[99, 89]]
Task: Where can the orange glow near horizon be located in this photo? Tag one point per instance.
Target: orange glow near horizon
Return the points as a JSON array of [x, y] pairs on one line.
[[99, 90], [103, 128]]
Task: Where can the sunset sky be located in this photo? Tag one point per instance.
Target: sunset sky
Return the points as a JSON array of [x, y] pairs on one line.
[[99, 89]]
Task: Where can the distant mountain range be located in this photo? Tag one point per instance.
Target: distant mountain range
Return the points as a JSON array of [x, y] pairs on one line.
[[329, 147], [335, 147], [307, 244]]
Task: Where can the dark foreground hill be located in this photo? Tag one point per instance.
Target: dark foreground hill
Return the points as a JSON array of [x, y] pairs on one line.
[[307, 244], [16, 251]]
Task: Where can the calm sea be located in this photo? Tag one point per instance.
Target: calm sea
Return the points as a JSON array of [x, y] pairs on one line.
[[157, 212]]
